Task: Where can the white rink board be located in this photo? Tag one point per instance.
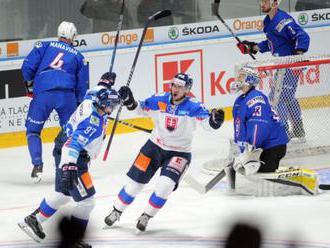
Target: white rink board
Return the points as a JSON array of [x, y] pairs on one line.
[[210, 62]]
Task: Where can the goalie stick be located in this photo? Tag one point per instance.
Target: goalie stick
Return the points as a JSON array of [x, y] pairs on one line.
[[155, 16], [204, 188]]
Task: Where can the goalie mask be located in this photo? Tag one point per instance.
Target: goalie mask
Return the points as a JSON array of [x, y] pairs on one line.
[[67, 30], [107, 100], [247, 76]]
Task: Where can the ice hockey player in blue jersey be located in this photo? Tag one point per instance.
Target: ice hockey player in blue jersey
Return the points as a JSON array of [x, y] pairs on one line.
[[85, 133], [56, 75], [175, 116], [284, 38], [258, 130]]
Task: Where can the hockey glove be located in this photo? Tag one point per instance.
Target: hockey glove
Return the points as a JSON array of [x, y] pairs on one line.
[[107, 80], [69, 177], [247, 47], [248, 162], [216, 118], [127, 97], [29, 88]]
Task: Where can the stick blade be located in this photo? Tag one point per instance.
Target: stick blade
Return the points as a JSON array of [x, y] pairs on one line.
[[160, 14]]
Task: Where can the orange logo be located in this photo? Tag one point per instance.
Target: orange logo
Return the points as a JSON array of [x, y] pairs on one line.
[[12, 49], [149, 35]]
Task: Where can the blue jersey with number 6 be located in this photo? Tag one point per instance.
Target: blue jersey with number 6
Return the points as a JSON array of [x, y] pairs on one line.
[[56, 65]]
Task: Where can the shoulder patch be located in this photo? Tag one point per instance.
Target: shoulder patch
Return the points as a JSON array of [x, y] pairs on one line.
[[82, 140], [38, 44], [255, 100], [282, 24], [94, 121]]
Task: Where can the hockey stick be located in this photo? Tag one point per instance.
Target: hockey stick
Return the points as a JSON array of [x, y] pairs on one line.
[[324, 186], [132, 125], [155, 16], [215, 11], [119, 26], [204, 188]]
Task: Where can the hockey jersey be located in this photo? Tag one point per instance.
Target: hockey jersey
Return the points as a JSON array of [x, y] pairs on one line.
[[56, 65], [284, 35], [85, 130], [174, 124], [256, 123]]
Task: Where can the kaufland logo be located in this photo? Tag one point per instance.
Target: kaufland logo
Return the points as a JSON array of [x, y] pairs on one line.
[[167, 65]]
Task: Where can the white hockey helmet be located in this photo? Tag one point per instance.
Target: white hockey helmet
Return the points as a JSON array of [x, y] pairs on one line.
[[67, 30], [246, 76]]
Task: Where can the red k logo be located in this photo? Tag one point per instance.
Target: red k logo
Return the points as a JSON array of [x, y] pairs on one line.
[[169, 64]]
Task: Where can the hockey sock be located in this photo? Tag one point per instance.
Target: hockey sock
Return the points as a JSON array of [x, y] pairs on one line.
[[35, 148], [127, 195], [49, 206], [159, 197], [45, 211]]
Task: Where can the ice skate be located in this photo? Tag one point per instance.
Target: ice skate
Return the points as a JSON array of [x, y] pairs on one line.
[[32, 227], [112, 217], [36, 173], [143, 222]]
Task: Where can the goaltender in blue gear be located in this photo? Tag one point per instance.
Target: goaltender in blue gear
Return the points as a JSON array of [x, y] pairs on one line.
[[256, 123], [57, 76]]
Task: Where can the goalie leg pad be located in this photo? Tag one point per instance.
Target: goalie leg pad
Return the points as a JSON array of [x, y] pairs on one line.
[[283, 182]]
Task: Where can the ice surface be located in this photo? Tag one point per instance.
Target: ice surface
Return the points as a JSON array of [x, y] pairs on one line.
[[188, 219]]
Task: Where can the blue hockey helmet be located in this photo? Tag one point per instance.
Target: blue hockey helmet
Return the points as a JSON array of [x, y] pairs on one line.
[[183, 79], [247, 76], [107, 98]]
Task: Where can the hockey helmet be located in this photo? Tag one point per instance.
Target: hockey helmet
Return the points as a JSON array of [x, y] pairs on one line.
[[183, 79], [247, 76], [107, 98], [67, 30]]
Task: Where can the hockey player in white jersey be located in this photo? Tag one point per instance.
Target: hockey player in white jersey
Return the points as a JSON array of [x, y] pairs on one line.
[[85, 132], [175, 116]]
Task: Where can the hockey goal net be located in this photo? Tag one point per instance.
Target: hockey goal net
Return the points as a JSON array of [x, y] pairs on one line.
[[298, 88]]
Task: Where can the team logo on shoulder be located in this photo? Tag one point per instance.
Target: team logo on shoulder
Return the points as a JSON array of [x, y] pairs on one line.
[[82, 140], [38, 44], [95, 121], [171, 123]]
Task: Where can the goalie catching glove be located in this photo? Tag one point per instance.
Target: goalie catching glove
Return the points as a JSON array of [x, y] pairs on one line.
[[247, 47], [248, 162]]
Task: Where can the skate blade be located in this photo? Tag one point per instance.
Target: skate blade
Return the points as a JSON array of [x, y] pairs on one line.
[[25, 228], [106, 227], [36, 179]]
